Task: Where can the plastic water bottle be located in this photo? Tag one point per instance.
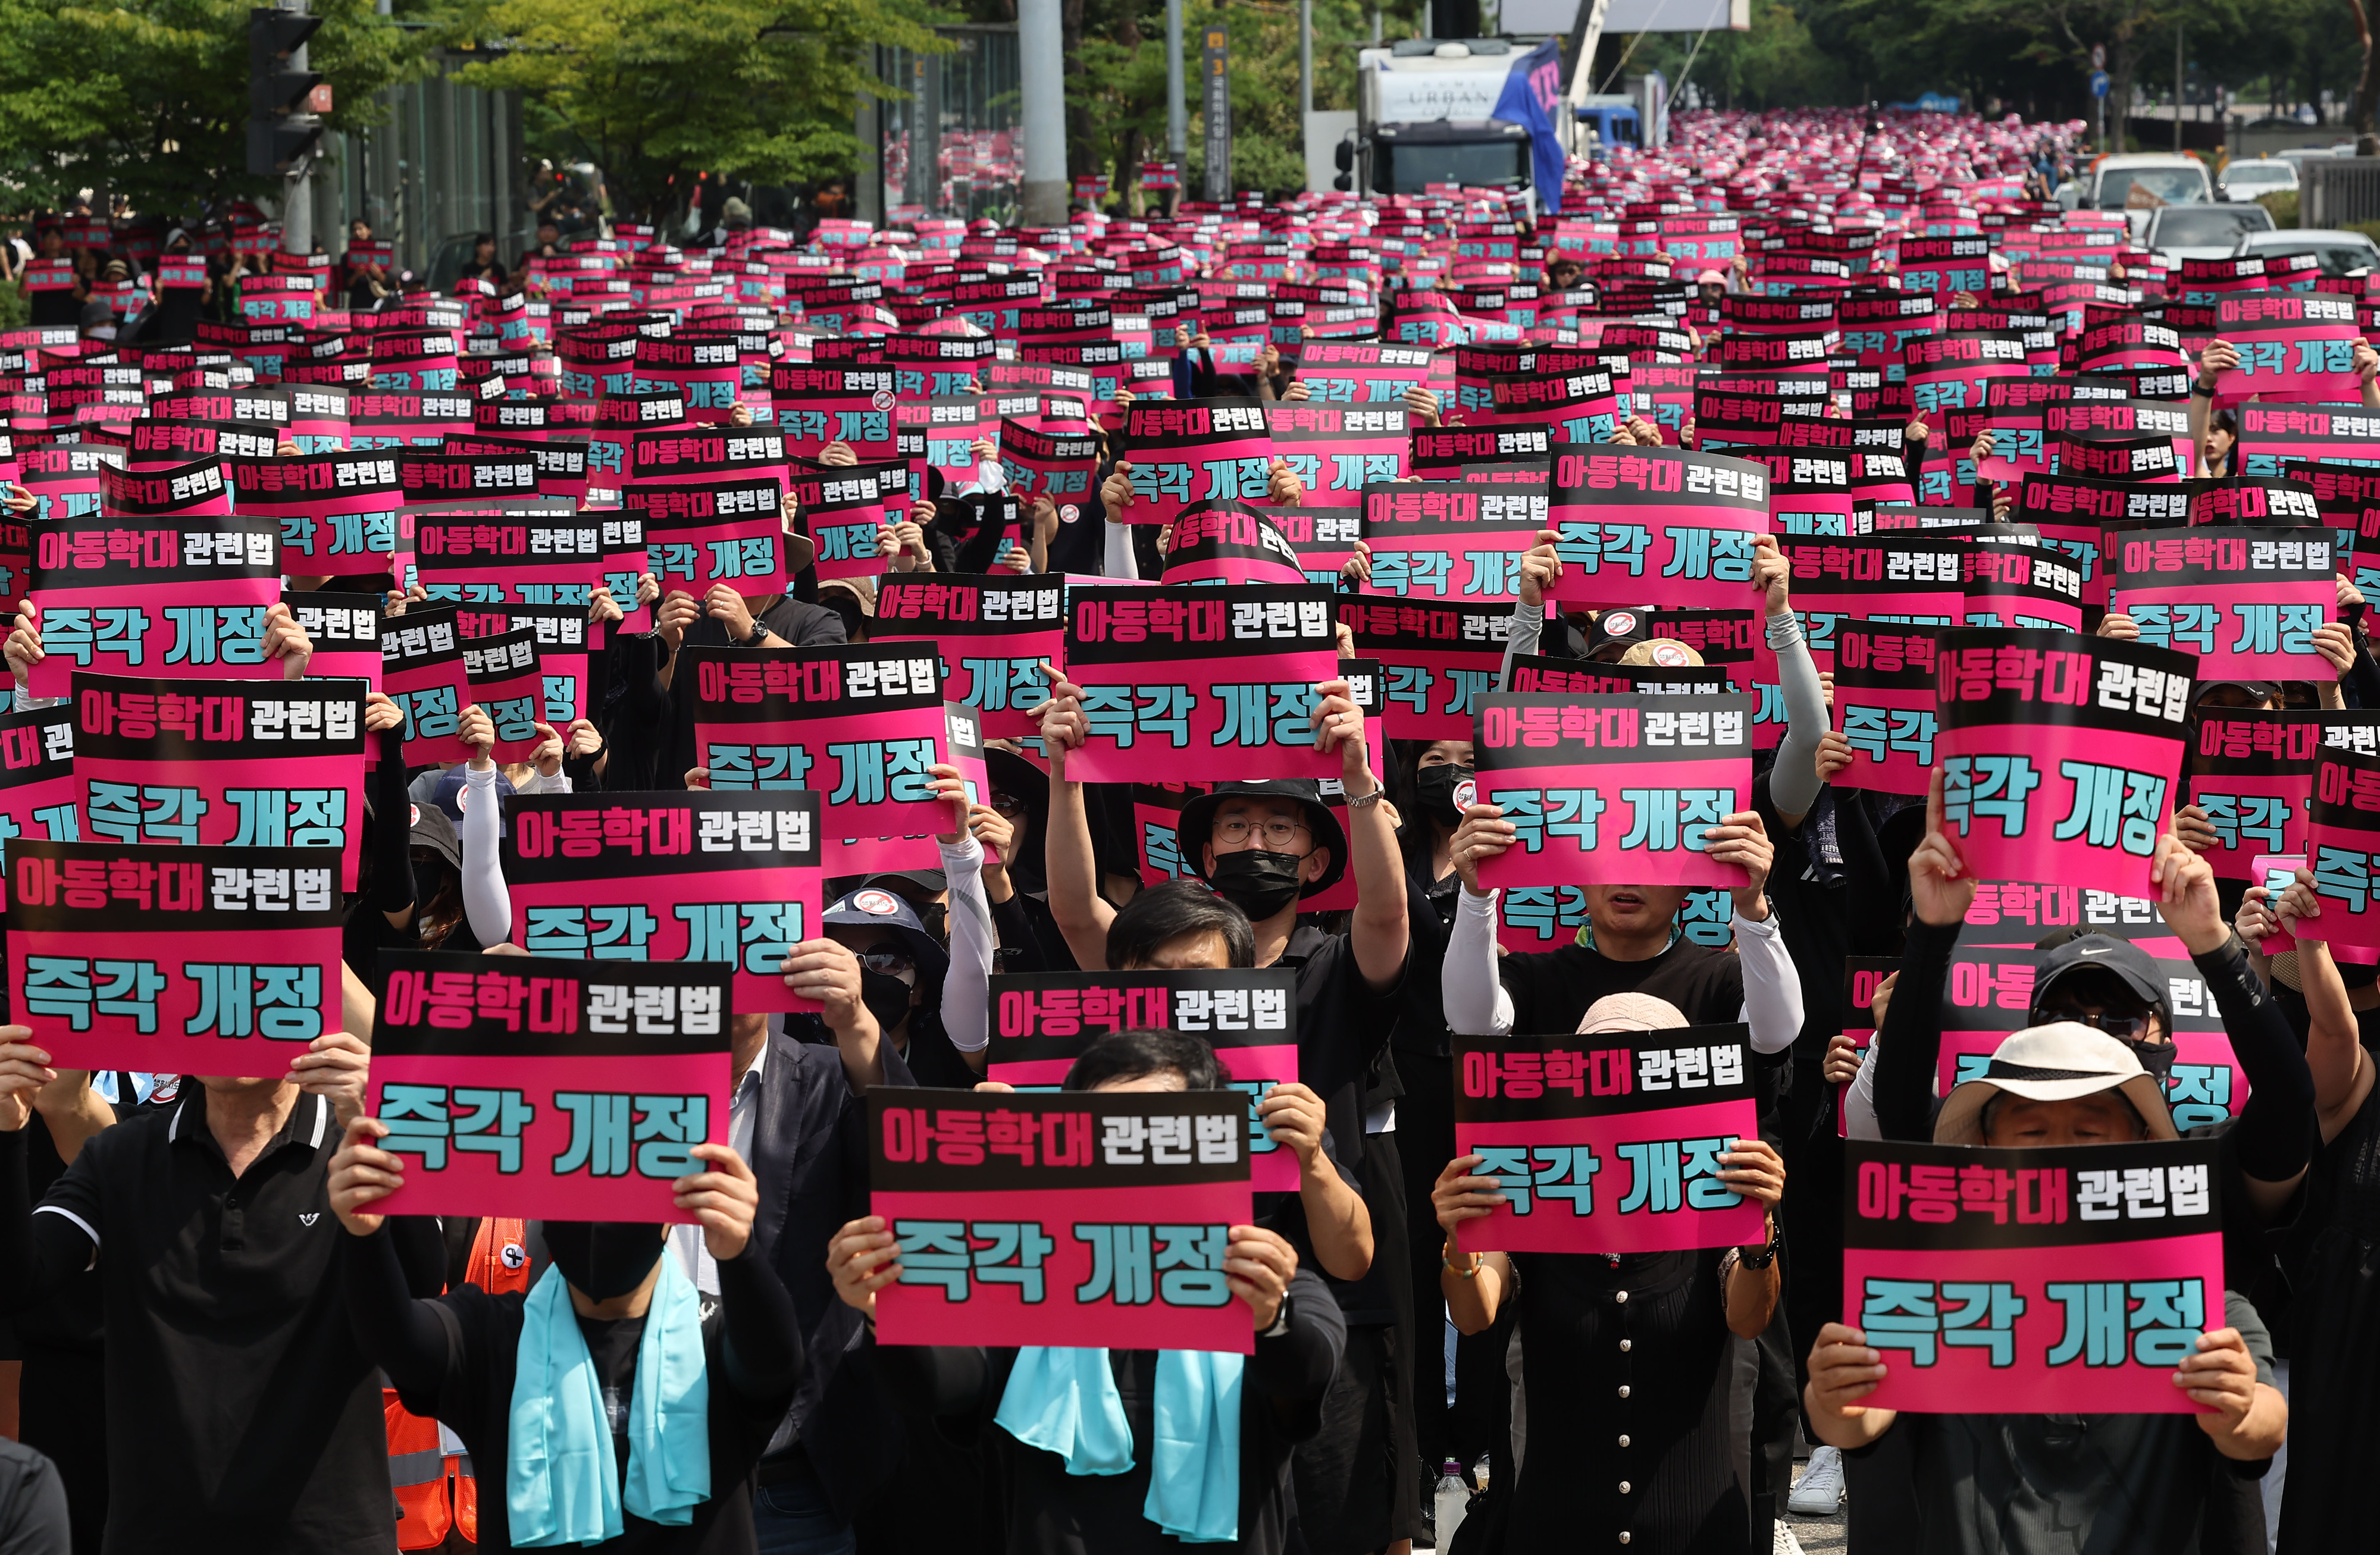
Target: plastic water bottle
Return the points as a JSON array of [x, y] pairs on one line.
[[1453, 1495]]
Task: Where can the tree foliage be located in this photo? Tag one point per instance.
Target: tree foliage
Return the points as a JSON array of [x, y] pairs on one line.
[[150, 98], [659, 91]]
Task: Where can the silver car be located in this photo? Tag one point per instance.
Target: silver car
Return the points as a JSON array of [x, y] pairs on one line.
[[2199, 232], [2247, 179], [2338, 253]]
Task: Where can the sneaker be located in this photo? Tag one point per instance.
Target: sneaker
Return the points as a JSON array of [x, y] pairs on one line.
[[1819, 1492]]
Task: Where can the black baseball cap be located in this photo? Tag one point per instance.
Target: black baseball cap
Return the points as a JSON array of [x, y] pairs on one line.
[[2103, 952], [1618, 630]]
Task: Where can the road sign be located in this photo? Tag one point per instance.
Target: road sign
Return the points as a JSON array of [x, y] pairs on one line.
[[2098, 56], [2098, 83]]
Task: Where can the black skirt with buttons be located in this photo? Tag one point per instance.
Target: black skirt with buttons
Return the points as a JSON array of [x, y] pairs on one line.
[[1627, 1366]]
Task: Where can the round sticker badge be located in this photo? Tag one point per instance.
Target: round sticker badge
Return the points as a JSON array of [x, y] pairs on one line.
[[1670, 654], [879, 903]]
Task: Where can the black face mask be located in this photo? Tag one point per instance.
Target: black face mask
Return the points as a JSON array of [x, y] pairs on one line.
[[2155, 1057], [1257, 882], [1434, 787], [886, 996], [428, 875], [603, 1258]]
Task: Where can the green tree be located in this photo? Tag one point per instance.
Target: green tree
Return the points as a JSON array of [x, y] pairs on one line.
[[149, 98], [659, 91]]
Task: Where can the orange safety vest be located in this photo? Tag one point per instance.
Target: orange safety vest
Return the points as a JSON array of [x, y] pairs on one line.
[[435, 1491]]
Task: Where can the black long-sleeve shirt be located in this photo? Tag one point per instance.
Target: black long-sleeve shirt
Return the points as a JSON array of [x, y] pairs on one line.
[[1053, 1512], [454, 1357]]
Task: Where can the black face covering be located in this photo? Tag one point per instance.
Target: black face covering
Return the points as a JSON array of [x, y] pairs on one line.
[[428, 874], [1257, 882], [603, 1258], [886, 996], [1434, 787], [2155, 1057]]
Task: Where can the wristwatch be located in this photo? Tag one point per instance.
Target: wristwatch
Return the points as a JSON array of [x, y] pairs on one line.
[[1366, 801], [760, 634], [1280, 1320], [1768, 1254]]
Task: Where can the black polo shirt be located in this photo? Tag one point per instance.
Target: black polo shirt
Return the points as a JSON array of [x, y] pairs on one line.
[[242, 1414]]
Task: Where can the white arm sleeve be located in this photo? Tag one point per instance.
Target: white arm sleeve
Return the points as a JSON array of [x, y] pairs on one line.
[[1772, 990], [966, 988], [1793, 782], [1528, 626], [487, 905], [540, 783], [1473, 996], [1859, 1101], [1119, 561]]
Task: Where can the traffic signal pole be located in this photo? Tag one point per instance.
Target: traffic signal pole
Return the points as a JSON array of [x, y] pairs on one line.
[[286, 100]]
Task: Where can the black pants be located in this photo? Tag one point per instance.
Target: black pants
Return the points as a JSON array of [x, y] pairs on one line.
[[62, 1409]]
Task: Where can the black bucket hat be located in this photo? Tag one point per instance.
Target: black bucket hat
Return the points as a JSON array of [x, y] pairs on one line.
[[1196, 824]]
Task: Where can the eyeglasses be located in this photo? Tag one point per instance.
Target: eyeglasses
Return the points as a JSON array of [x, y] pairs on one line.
[[1006, 803], [2131, 1025], [1278, 833], [888, 961]]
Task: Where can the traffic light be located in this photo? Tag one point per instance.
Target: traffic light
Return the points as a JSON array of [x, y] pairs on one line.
[[281, 133]]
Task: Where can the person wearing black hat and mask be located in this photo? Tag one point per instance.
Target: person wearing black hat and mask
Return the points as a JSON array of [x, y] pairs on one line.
[[1263, 846], [614, 1416]]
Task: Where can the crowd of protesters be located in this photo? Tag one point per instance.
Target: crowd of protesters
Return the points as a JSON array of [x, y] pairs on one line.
[[216, 1341]]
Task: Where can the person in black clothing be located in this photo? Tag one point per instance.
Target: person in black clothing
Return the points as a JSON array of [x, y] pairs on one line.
[[33, 1503], [2106, 985], [1051, 1511], [484, 264], [241, 1412], [1626, 1357], [459, 1358]]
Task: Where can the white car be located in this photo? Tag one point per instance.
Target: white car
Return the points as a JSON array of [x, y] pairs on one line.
[[2247, 179], [2338, 253], [2140, 184], [2203, 232]]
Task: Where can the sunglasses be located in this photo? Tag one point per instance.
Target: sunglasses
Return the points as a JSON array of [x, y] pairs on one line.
[[1006, 803], [888, 961], [2127, 1023]]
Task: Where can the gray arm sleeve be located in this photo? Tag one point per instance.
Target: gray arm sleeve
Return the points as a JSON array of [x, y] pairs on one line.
[[1793, 782], [1528, 625]]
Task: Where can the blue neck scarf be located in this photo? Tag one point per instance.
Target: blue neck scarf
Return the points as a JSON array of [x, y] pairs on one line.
[[562, 1475], [1064, 1401]]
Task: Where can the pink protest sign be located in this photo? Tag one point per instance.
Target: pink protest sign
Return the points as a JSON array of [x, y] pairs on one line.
[[1612, 789], [846, 510], [819, 404], [2251, 773], [345, 630], [1884, 703], [560, 635], [162, 442], [2276, 874], [1070, 1218], [1042, 1023], [714, 530], [388, 419], [1736, 640], [137, 595], [440, 475], [550, 1090], [675, 877], [1230, 542], [2067, 1282], [2014, 580], [2273, 435], [1451, 541], [1200, 682], [181, 493], [2293, 345], [422, 672], [502, 675], [1338, 450], [1586, 404], [253, 763], [2059, 754], [2019, 913], [2343, 843], [513, 557], [1659, 527], [861, 725], [1862, 976], [2074, 514], [1908, 578], [39, 793], [2245, 601], [561, 462], [1607, 1143], [1350, 373], [993, 632], [1950, 371], [1043, 463], [1190, 451], [338, 511], [172, 958], [949, 424], [1443, 453], [1436, 660]]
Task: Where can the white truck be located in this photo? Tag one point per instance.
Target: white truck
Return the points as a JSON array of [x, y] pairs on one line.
[[1424, 114]]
